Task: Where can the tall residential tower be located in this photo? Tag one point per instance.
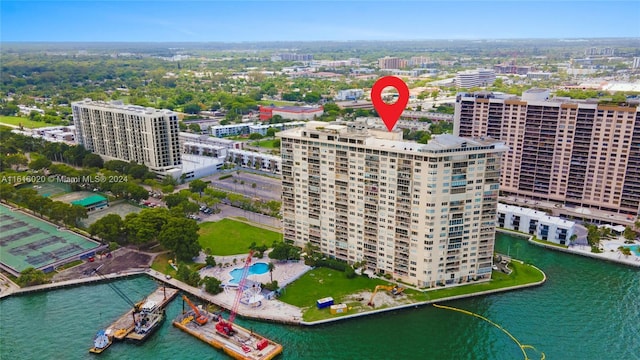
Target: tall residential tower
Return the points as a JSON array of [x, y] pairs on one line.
[[569, 152], [424, 213], [129, 133]]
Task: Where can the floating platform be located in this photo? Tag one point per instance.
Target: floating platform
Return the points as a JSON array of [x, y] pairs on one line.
[[242, 345], [123, 327]]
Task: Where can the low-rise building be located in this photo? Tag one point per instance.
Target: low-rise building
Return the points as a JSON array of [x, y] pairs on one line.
[[291, 112], [472, 78], [349, 94], [256, 160], [262, 128], [229, 130], [537, 223]]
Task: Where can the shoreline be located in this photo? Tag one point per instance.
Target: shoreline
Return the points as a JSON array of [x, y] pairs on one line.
[[578, 250], [275, 311], [283, 313]]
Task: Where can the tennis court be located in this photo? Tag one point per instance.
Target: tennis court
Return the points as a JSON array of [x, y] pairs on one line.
[[29, 242], [73, 196], [48, 189]]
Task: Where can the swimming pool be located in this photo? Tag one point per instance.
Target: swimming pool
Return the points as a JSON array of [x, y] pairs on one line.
[[635, 249], [255, 269]]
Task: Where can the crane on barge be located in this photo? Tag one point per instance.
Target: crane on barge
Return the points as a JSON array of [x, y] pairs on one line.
[[226, 327], [199, 318]]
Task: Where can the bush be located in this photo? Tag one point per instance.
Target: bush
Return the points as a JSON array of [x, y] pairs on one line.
[[212, 285], [225, 176], [190, 277], [332, 264], [210, 261], [273, 286], [349, 272]]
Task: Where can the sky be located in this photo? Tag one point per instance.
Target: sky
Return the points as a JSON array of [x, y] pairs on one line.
[[255, 21]]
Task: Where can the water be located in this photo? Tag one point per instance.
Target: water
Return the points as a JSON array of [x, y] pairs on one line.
[[586, 310], [255, 269], [635, 249]]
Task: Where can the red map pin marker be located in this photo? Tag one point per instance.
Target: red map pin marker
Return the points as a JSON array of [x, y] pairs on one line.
[[390, 113]]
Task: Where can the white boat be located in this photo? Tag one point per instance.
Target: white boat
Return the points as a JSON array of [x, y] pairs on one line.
[[101, 342]]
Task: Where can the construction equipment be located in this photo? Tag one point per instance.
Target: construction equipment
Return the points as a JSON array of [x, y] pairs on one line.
[[199, 318], [226, 327], [123, 296], [393, 290]]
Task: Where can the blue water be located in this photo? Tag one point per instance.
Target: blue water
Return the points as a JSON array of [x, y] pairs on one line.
[[255, 269], [635, 249], [587, 310]]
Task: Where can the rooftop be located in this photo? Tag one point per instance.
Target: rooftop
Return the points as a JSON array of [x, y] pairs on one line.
[[89, 200]]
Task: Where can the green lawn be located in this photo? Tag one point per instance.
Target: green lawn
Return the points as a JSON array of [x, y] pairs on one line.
[[522, 274], [323, 282], [230, 237], [161, 264], [15, 120], [269, 144]]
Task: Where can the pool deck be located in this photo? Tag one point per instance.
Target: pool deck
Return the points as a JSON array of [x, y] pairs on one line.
[[284, 272]]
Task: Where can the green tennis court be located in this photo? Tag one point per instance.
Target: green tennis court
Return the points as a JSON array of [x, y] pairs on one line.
[[48, 189], [28, 242]]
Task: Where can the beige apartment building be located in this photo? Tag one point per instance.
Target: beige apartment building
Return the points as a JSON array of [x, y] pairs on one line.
[[130, 133], [425, 214], [569, 152]]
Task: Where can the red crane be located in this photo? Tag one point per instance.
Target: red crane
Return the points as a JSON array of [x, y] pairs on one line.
[[226, 327]]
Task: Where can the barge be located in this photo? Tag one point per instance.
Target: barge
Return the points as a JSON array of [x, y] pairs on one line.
[[140, 322], [233, 340]]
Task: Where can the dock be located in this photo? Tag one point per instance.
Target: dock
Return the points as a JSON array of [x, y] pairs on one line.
[[124, 325], [242, 344]]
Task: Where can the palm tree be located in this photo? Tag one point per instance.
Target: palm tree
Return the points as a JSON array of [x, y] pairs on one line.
[[271, 267]]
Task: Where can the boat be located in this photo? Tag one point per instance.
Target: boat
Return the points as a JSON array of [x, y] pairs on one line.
[[147, 320], [101, 342], [232, 339]]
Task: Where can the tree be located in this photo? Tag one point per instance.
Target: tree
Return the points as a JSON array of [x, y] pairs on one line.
[[31, 277], [191, 108], [284, 251], [17, 160], [210, 260], [212, 285], [73, 214], [92, 161], [276, 143], [108, 228], [197, 186], [145, 226], [255, 136], [175, 199], [194, 127], [629, 234], [180, 235], [188, 276], [39, 162], [271, 132], [271, 267]]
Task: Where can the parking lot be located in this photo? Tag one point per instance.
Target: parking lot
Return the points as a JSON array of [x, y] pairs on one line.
[[266, 188]]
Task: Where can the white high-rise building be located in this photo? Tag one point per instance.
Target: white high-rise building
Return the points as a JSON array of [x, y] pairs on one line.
[[130, 133], [425, 214]]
